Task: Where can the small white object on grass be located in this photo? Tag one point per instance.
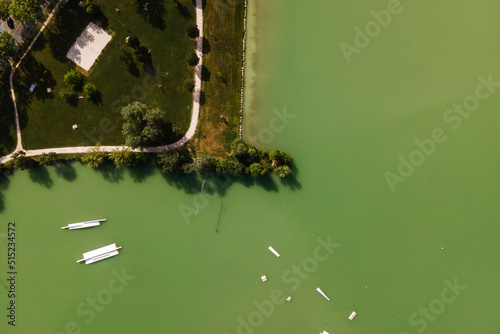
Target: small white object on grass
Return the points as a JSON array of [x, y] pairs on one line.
[[353, 314], [263, 278], [289, 298], [274, 251], [75, 126], [322, 293]]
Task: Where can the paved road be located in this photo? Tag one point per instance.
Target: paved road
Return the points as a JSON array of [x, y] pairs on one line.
[[84, 149]]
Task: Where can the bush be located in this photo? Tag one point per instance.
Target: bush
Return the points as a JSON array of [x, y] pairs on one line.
[[90, 7], [189, 85], [192, 31], [89, 90], [282, 171], [73, 78], [95, 158], [256, 169], [192, 59], [48, 159]]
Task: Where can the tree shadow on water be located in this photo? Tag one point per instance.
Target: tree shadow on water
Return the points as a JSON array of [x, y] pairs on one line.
[[139, 174], [66, 171], [41, 176], [4, 184], [291, 180], [110, 172], [190, 183]]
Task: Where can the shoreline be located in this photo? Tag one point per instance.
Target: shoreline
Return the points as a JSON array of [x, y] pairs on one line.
[[243, 66]]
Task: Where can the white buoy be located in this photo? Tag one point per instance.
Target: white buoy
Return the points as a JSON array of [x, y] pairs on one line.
[[353, 314], [289, 298], [322, 293], [274, 251], [263, 278]]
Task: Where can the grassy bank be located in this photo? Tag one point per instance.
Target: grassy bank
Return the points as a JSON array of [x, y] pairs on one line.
[[7, 121], [219, 118], [46, 118]]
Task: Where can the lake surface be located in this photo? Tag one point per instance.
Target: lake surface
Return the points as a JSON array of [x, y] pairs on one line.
[[412, 255]]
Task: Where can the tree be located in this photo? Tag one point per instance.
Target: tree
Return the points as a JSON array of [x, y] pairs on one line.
[[7, 48], [5, 169], [279, 158], [90, 7], [89, 90], [231, 167], [21, 161], [74, 78], [144, 126], [95, 157], [256, 169], [239, 149], [282, 171], [24, 10], [193, 31], [192, 59], [203, 164], [4, 9], [169, 161], [47, 159], [126, 157]]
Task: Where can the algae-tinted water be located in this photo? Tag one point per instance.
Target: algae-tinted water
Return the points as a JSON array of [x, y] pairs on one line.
[[394, 254]]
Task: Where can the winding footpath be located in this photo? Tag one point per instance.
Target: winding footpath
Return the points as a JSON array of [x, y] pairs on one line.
[[84, 149]]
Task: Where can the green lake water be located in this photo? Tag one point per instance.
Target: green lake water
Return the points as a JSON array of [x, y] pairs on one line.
[[394, 252]]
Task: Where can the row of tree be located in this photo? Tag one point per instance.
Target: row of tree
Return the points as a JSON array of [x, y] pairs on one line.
[[173, 161]]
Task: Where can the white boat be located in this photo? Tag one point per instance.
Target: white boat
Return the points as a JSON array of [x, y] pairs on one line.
[[274, 251], [353, 314], [90, 223], [100, 254], [322, 293]]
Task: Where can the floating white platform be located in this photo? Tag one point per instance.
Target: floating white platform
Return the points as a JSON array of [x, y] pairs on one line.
[[353, 314], [274, 251], [322, 293], [100, 254], [90, 223]]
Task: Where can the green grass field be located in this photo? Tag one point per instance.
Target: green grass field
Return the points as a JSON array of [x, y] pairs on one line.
[[223, 30], [46, 118]]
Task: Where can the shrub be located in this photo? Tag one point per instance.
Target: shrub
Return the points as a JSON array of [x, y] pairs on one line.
[[189, 85], [74, 78], [192, 31], [192, 59], [89, 90]]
